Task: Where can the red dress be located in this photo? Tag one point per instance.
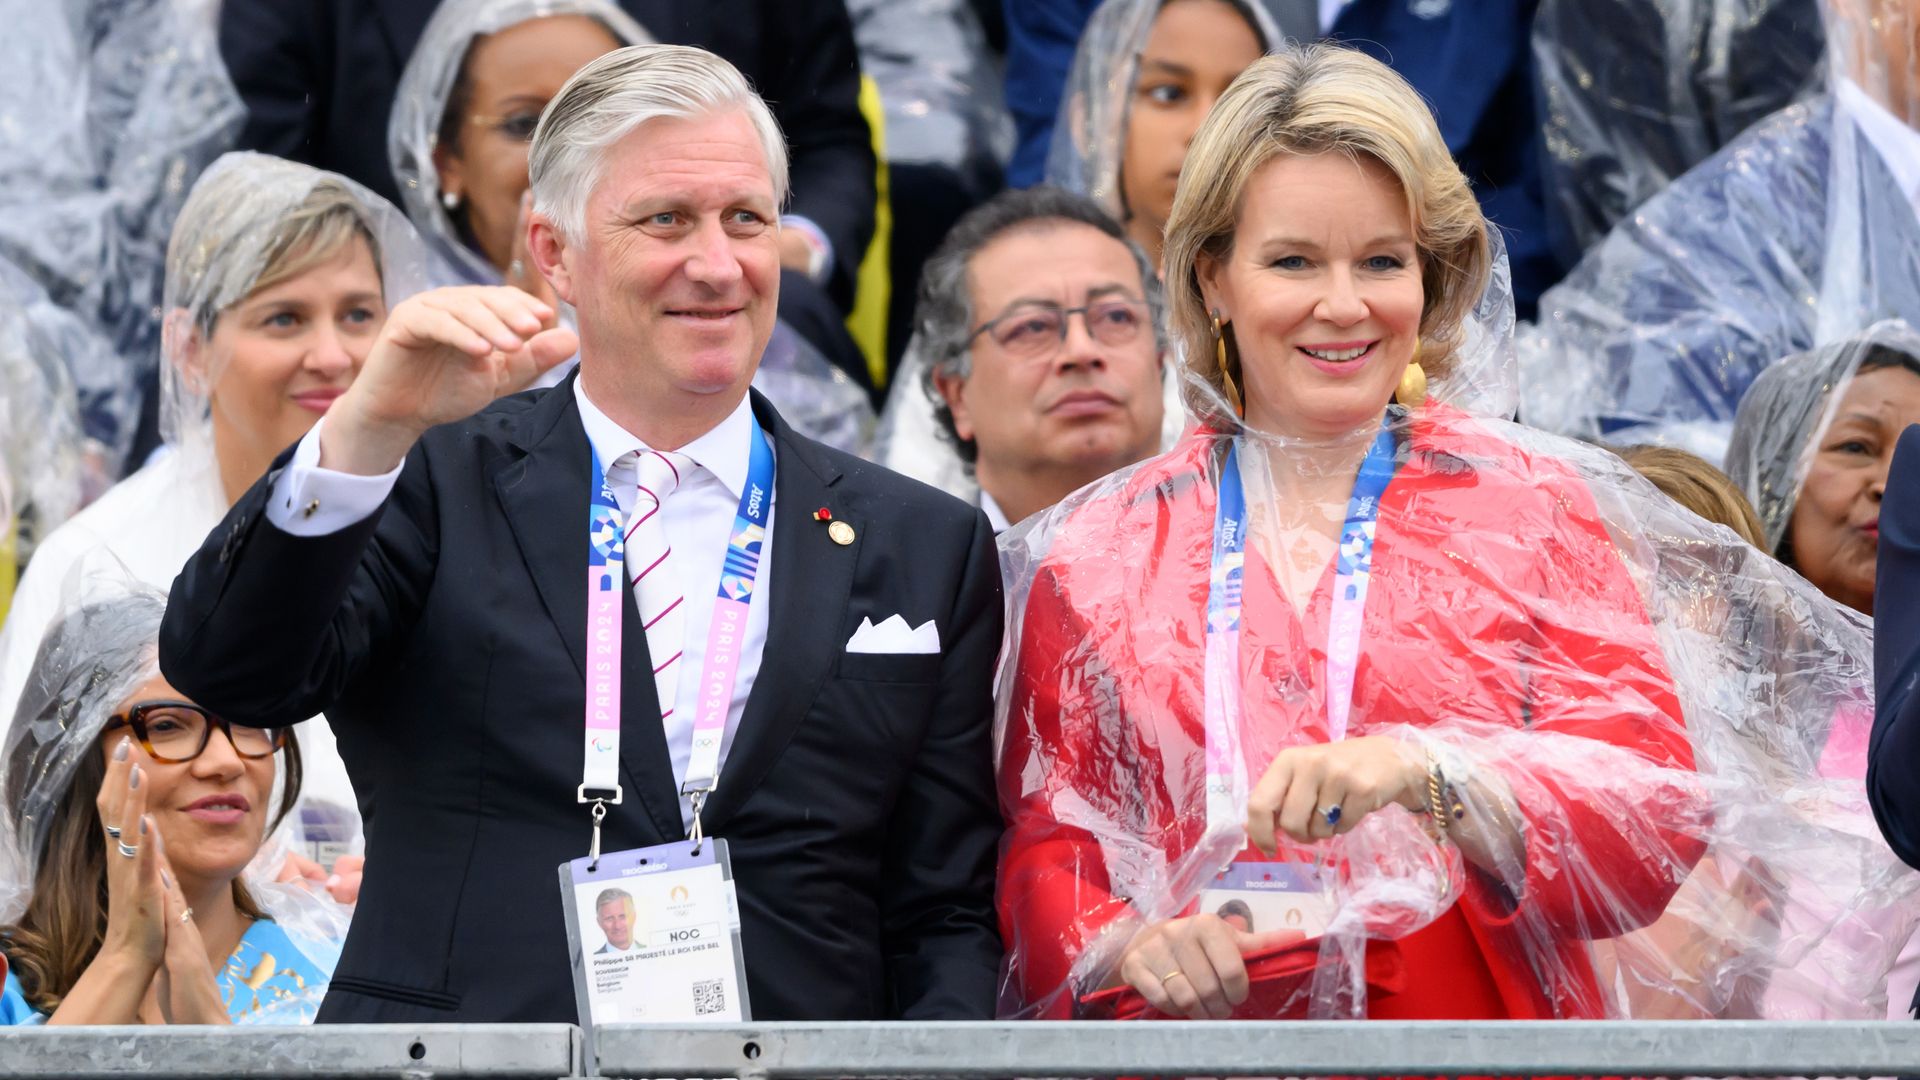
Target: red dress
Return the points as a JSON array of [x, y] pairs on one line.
[[1498, 604]]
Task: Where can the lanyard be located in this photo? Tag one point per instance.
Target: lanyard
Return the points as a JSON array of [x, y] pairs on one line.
[[726, 633], [1226, 766]]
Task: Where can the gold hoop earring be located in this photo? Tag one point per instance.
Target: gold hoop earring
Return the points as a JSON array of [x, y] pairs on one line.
[[1226, 377], [1412, 391]]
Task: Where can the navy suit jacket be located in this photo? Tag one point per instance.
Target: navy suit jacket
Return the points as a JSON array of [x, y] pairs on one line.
[[445, 637], [1893, 760]]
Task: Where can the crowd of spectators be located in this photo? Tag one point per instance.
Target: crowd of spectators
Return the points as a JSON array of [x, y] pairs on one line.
[[1431, 473]]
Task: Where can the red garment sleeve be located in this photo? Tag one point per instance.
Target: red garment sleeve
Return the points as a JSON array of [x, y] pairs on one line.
[[1054, 893], [1611, 831]]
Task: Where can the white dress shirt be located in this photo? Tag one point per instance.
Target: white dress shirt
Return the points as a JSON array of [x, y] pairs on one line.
[[996, 517], [1897, 144], [698, 518]]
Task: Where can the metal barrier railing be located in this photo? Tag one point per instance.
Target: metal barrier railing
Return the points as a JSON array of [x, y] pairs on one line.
[[332, 1052], [916, 1051], [1316, 1048]]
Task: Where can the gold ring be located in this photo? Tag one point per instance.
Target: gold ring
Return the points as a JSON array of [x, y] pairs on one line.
[[1171, 975]]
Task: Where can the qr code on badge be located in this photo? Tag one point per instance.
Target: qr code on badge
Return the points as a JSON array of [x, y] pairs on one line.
[[709, 997]]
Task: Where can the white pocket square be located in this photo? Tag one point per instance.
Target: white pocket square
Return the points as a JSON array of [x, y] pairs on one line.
[[893, 635]]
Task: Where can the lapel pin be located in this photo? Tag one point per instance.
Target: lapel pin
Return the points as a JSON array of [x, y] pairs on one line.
[[841, 532], [823, 514]]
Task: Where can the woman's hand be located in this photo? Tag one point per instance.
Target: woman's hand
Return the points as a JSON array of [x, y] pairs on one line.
[[110, 989], [297, 868], [184, 988], [344, 884], [1305, 783], [136, 899], [1194, 967]]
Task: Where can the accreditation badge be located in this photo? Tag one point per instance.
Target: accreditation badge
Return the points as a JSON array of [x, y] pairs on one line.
[[1259, 897], [655, 936]]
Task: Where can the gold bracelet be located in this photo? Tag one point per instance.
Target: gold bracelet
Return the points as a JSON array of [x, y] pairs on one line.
[[1444, 806]]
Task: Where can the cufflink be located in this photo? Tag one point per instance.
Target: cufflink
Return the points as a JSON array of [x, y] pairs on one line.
[[310, 509]]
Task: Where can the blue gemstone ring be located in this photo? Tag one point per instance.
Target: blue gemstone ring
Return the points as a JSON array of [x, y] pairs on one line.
[[1331, 814]]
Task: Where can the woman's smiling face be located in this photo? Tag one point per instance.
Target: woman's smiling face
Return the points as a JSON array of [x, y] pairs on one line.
[[1321, 291]]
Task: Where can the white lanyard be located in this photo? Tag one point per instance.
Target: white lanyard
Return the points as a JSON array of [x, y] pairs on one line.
[[726, 634]]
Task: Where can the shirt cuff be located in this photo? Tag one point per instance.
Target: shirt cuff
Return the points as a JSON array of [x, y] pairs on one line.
[[308, 500], [822, 263]]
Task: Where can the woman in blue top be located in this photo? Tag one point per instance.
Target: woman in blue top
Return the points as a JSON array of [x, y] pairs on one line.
[[130, 815]]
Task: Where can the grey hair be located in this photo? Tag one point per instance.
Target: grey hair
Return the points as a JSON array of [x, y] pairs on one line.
[[943, 318], [610, 97]]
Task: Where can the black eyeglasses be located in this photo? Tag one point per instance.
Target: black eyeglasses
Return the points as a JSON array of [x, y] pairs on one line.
[[1030, 331], [172, 732]]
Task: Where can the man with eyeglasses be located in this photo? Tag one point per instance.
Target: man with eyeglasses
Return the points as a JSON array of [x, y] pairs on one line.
[[1043, 329]]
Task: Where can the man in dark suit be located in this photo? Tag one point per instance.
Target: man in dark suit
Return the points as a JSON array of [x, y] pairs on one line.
[[1893, 761], [1893, 754], [414, 569], [318, 78]]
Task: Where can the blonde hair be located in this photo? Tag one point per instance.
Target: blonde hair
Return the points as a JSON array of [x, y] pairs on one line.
[[1694, 483], [323, 225], [1308, 100]]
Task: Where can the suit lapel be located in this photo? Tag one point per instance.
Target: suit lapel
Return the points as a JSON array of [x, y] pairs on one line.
[[544, 496], [808, 588]]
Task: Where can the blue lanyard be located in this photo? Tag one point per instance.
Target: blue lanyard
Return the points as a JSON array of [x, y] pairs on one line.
[[1353, 566]]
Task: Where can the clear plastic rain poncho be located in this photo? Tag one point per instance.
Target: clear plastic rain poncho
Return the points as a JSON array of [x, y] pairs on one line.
[[226, 236], [97, 654], [1653, 731], [1802, 232], [1788, 408], [108, 110], [1090, 135], [813, 395], [939, 90], [42, 449], [1635, 92], [228, 233]]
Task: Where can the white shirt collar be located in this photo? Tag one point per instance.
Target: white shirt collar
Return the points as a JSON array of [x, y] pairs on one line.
[[996, 517], [722, 451], [1897, 144]]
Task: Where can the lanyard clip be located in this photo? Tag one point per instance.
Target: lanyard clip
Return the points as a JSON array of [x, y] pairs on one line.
[[599, 814], [593, 846], [698, 797]]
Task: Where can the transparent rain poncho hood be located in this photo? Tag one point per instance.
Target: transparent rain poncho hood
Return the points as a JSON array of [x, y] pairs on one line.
[[1787, 410], [1635, 92], [1802, 232], [229, 231], [95, 656], [938, 85], [817, 398], [1668, 725], [108, 110], [1089, 137], [420, 106], [43, 451]]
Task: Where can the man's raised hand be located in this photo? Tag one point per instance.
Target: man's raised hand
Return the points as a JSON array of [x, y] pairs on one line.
[[442, 356]]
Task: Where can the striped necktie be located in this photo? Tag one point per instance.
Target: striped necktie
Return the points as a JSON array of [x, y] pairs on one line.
[[657, 587]]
